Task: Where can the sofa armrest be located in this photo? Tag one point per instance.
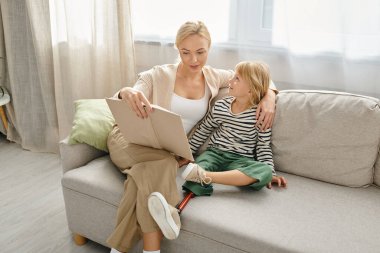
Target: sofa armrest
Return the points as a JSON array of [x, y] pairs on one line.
[[77, 155]]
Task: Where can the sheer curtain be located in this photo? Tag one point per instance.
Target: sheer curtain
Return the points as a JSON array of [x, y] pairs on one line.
[[329, 44], [57, 52], [93, 52], [30, 77], [349, 28]]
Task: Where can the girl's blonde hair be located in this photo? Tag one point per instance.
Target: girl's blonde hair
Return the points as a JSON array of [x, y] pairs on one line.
[[192, 28], [257, 75]]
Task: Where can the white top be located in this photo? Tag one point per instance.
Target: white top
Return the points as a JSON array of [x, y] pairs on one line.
[[191, 110]]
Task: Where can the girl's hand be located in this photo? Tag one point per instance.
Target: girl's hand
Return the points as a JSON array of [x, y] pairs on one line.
[[280, 181], [182, 161], [265, 111], [136, 101]]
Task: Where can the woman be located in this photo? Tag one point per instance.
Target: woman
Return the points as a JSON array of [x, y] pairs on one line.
[[176, 87]]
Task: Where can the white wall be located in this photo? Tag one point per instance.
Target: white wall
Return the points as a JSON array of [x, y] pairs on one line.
[[288, 72]]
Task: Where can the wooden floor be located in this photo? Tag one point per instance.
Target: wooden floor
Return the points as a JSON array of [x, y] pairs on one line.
[[32, 210]]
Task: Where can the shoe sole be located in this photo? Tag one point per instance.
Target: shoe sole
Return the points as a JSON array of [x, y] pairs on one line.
[[187, 171], [115, 251], [159, 209]]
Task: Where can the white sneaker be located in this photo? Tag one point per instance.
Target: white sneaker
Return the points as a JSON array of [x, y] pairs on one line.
[[114, 251], [195, 173], [166, 216]]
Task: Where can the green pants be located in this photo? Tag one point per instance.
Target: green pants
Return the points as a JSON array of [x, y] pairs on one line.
[[214, 160]]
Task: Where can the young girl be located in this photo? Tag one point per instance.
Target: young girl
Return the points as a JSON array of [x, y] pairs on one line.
[[238, 153]]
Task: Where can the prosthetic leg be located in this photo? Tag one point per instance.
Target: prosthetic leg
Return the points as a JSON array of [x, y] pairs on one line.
[[192, 189]]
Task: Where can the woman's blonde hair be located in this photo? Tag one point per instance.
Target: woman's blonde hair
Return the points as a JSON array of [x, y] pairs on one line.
[[257, 75], [192, 28]]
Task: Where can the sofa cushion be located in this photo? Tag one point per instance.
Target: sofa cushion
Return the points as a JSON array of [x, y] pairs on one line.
[[295, 219], [308, 216], [329, 136], [99, 179]]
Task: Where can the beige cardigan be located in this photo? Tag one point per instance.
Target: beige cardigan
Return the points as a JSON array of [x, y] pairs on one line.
[[157, 84]]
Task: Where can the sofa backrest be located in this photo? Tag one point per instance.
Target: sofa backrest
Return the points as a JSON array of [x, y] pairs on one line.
[[328, 136]]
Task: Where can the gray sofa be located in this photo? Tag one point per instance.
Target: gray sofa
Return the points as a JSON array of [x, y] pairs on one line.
[[327, 146]]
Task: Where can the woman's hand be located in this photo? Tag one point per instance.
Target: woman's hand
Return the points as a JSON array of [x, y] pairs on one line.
[[265, 111], [280, 181], [136, 101]]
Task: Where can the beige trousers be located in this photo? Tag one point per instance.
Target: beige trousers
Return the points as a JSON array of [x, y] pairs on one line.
[[149, 170]]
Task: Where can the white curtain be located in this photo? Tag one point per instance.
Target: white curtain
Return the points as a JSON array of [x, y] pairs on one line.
[[347, 28], [58, 51], [328, 44]]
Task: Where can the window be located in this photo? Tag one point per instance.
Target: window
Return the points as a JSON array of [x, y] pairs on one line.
[[349, 29], [252, 22], [243, 22]]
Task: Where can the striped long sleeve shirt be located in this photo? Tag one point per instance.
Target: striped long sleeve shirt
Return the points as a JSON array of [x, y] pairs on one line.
[[235, 133]]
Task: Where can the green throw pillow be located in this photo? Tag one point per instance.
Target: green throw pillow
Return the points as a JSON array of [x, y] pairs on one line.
[[92, 123]]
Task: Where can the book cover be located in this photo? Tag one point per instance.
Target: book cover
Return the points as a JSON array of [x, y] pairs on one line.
[[162, 129]]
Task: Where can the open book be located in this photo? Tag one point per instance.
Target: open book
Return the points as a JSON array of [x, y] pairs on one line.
[[162, 129]]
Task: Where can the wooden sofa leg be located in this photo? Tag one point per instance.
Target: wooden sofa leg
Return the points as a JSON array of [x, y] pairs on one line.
[[79, 240]]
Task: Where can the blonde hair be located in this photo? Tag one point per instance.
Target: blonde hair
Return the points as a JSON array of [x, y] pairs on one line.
[[258, 76], [192, 28]]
